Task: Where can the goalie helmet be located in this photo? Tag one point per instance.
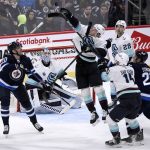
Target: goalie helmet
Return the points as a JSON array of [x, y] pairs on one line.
[[100, 29], [12, 46], [142, 55], [121, 23], [45, 57], [121, 59]]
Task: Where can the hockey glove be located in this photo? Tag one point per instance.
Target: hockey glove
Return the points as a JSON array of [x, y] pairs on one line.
[[69, 17], [108, 45], [102, 63]]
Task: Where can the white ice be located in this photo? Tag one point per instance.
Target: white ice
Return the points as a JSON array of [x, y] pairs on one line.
[[70, 131]]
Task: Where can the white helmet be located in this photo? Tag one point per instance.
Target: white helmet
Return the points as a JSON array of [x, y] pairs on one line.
[[100, 29], [122, 23], [121, 59]]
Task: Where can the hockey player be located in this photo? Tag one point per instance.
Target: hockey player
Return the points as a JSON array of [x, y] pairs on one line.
[[129, 98], [87, 73], [122, 42], [50, 71], [142, 79], [13, 68]]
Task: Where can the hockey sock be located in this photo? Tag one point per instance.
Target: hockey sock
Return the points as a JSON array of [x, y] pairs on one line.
[[104, 104], [5, 115], [91, 107], [31, 114]]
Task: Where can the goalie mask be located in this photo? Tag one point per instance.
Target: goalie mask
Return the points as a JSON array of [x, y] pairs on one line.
[[45, 57], [121, 59]]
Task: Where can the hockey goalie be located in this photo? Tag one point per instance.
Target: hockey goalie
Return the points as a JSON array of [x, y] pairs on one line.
[[54, 98]]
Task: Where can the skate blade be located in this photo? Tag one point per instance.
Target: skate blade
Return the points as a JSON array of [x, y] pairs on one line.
[[68, 107], [140, 143], [114, 146], [96, 122]]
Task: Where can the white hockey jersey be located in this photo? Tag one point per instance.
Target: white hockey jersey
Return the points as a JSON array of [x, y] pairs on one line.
[[98, 43], [123, 78], [122, 44], [50, 72]]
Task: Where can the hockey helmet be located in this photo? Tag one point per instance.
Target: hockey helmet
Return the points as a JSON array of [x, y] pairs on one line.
[[142, 55], [12, 46], [121, 59], [121, 23], [100, 29]]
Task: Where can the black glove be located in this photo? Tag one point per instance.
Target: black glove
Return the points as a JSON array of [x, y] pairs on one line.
[[108, 45], [66, 13], [69, 17], [102, 63]]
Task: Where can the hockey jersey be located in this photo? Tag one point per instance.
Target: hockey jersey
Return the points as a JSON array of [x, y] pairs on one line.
[[47, 73], [98, 43], [12, 71], [122, 44], [123, 78], [142, 79]]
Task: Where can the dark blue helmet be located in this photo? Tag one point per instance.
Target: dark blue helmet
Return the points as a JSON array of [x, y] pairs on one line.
[[13, 46], [142, 55]]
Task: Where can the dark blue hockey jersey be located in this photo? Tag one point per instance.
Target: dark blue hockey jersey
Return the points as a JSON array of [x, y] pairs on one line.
[[142, 79], [12, 71]]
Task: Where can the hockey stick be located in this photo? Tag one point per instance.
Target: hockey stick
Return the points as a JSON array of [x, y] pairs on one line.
[[59, 14], [37, 27]]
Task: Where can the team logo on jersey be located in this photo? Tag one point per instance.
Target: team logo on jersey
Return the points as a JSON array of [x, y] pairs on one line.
[[16, 74]]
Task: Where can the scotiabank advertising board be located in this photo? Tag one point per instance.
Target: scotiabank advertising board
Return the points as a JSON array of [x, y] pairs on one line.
[[62, 48]]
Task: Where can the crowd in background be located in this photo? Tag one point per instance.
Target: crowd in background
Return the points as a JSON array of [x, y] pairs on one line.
[[23, 16]]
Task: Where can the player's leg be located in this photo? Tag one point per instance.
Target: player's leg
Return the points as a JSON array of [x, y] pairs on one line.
[[146, 108], [22, 96], [5, 103], [86, 94], [133, 127], [96, 82], [115, 115], [82, 78]]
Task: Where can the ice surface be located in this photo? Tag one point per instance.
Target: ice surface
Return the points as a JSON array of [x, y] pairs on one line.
[[70, 131]]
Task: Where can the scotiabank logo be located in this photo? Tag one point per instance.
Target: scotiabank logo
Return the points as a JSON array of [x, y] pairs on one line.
[[34, 41], [141, 41]]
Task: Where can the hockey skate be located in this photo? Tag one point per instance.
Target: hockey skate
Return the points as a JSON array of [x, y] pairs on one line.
[[38, 127], [115, 142], [134, 139], [67, 107], [94, 119], [6, 130]]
